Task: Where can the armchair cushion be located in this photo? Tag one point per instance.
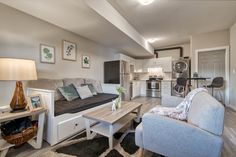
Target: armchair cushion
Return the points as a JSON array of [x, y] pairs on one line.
[[174, 138], [207, 113]]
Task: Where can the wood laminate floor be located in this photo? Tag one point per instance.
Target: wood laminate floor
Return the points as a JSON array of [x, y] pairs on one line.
[[229, 134]]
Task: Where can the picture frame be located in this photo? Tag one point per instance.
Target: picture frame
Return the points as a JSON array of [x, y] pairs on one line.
[[69, 50], [47, 54], [34, 102], [85, 61]]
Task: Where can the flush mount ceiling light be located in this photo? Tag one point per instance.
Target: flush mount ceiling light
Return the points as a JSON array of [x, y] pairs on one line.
[[145, 2], [153, 40]]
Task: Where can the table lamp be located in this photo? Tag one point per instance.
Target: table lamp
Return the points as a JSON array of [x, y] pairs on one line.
[[17, 70]]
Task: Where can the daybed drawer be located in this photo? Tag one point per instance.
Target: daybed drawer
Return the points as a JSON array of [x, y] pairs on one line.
[[70, 127]]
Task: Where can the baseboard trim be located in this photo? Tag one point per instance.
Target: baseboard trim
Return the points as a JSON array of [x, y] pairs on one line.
[[233, 107]]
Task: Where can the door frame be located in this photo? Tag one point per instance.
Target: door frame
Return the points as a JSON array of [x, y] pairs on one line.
[[227, 70]]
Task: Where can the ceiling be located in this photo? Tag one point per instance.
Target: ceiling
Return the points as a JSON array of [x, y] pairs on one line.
[[77, 17], [172, 21]]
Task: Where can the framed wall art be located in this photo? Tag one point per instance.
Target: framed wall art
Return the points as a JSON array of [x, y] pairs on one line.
[[34, 101], [85, 61], [47, 54], [69, 50]]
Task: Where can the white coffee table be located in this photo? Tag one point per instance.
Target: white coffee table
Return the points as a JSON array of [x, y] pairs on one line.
[[110, 122]]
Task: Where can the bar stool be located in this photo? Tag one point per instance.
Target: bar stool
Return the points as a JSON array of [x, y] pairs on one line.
[[217, 82]]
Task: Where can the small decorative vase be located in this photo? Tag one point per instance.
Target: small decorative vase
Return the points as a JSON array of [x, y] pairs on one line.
[[113, 108], [118, 105]]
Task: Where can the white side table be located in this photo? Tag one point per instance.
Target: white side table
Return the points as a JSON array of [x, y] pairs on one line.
[[35, 142]]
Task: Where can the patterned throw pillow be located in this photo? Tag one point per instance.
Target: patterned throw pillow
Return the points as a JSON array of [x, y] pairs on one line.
[[69, 92], [84, 92], [91, 87], [96, 84]]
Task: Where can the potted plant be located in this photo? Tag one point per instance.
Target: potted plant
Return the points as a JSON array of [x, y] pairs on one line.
[[117, 103]]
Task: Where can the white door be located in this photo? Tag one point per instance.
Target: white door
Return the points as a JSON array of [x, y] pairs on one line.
[[212, 64]]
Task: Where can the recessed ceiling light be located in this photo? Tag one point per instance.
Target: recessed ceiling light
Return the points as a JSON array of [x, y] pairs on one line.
[[145, 2], [153, 40]]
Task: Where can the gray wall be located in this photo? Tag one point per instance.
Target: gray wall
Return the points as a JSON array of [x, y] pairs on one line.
[[233, 66], [208, 40], [20, 36]]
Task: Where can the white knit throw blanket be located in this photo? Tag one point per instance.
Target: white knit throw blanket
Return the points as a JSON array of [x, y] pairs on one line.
[[181, 111]]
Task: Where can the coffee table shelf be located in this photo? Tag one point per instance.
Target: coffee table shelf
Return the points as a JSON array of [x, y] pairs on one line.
[[110, 122], [103, 128]]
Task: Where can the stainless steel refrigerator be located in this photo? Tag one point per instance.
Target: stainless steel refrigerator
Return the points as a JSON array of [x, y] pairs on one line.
[[118, 72]]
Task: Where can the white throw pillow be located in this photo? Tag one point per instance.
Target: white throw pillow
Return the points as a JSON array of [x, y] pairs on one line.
[[84, 92]]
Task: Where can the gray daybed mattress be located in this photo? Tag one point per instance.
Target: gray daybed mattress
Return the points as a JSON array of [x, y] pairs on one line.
[[78, 105]]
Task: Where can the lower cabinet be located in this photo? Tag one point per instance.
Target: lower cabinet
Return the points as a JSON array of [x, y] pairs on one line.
[[136, 89], [139, 88], [143, 87]]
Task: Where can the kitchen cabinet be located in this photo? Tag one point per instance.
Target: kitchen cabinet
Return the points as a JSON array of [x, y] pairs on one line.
[[144, 64], [138, 66], [143, 88], [165, 63], [136, 89]]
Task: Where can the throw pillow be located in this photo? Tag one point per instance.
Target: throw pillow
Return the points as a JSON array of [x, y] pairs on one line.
[[97, 84], [84, 92], [92, 88], [69, 92]]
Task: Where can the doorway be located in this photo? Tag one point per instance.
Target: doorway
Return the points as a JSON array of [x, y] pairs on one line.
[[214, 62]]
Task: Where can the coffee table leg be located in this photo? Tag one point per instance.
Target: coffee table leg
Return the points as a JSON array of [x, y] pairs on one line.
[[88, 133], [111, 137], [139, 114]]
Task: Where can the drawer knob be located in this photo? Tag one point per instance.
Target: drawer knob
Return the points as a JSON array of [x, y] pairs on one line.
[[75, 126]]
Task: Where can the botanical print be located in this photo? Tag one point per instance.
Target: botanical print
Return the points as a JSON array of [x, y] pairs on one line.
[[69, 50], [85, 61], [47, 54]]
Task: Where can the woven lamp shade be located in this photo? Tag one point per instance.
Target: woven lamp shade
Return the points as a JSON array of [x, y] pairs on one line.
[[17, 69]]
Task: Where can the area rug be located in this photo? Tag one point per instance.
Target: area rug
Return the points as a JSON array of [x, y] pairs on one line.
[[53, 154], [124, 146]]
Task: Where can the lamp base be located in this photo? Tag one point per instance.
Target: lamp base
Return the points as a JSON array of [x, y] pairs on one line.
[[18, 102], [17, 111]]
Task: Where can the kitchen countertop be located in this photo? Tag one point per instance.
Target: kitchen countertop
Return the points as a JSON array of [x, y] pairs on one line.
[[161, 80]]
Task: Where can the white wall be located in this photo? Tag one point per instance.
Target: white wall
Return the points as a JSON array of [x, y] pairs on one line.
[[208, 40], [233, 66], [20, 36]]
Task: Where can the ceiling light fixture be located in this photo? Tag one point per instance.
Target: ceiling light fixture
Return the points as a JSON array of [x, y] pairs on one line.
[[153, 40], [145, 2]]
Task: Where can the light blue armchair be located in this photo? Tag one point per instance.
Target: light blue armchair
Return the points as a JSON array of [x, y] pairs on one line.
[[200, 136]]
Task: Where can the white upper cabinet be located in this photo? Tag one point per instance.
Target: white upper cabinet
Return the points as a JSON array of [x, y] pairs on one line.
[[138, 66], [142, 65], [165, 63]]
